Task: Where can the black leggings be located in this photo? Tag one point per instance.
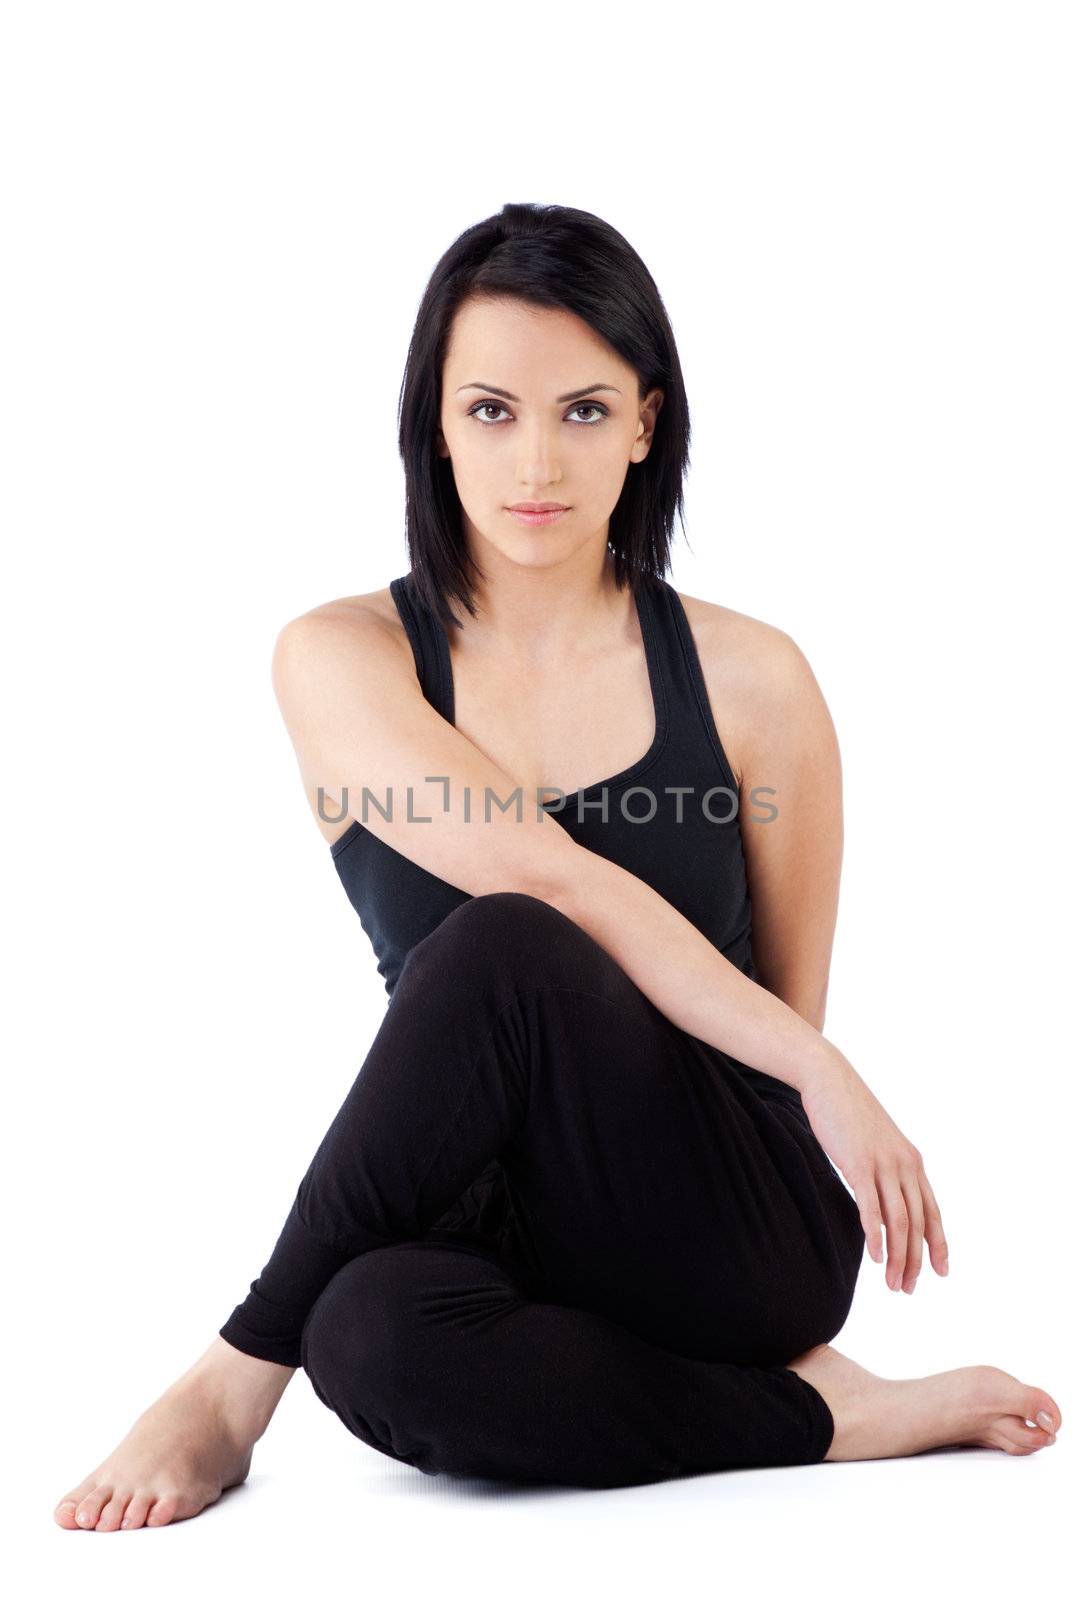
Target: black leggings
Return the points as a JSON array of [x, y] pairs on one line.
[[674, 1233]]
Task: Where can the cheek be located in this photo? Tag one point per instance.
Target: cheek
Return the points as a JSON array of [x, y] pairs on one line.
[[475, 468], [472, 447]]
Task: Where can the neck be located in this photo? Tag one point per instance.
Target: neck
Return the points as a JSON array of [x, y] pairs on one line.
[[537, 612]]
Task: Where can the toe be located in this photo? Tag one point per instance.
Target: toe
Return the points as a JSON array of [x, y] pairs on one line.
[[1004, 1395], [136, 1511], [1040, 1401], [90, 1507], [162, 1511], [65, 1513], [110, 1516], [1017, 1438]]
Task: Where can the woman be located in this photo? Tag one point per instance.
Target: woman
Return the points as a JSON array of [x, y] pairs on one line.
[[577, 1219]]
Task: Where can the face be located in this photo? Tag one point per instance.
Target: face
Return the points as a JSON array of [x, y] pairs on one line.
[[542, 445]]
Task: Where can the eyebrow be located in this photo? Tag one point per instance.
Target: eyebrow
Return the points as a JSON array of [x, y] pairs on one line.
[[577, 394]]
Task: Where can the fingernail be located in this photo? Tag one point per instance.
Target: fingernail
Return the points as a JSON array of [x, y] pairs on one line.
[[898, 1282], [1044, 1416], [908, 1288]]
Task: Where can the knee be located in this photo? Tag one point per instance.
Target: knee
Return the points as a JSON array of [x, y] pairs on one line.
[[390, 1346], [352, 1350], [506, 931], [504, 916]]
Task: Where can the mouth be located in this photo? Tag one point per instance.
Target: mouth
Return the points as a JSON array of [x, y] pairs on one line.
[[537, 515]]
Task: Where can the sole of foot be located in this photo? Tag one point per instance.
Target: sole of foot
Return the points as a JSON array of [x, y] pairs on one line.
[[968, 1406]]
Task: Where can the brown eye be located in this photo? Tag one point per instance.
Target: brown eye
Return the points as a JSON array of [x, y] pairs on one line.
[[486, 405], [493, 405]]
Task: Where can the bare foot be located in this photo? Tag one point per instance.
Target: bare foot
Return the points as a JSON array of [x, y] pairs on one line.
[[877, 1417], [194, 1442]]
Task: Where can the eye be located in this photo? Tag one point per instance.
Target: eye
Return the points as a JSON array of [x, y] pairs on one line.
[[493, 405], [486, 405]]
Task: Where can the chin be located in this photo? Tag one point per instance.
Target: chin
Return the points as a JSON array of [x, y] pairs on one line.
[[534, 553], [529, 547]]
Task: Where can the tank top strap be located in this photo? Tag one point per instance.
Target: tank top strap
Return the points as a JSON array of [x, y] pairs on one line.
[[684, 714], [692, 730], [429, 646]]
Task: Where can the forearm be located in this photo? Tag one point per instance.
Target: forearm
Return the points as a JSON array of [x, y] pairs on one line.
[[681, 972], [804, 1001]]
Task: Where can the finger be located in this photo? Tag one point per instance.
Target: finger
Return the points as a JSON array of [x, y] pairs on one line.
[[938, 1244], [897, 1224], [912, 1194], [868, 1204]]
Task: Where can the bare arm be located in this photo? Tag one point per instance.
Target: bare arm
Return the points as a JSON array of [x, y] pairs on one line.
[[762, 690], [788, 752], [686, 977], [781, 727], [357, 718]]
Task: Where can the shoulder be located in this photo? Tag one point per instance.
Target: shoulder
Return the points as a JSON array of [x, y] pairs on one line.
[[364, 620], [734, 647], [358, 626], [757, 676], [360, 610]]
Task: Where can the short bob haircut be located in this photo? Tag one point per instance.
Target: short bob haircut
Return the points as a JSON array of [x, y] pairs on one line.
[[547, 256]]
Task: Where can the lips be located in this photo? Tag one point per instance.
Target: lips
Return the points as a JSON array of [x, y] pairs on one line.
[[537, 518], [536, 507]]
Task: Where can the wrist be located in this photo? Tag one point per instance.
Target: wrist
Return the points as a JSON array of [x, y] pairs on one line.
[[822, 1061]]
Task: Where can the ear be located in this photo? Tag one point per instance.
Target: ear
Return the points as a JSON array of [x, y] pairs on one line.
[[647, 414]]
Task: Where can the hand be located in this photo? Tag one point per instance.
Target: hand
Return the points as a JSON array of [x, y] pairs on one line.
[[882, 1168]]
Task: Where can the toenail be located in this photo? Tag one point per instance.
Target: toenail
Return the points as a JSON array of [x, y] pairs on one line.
[[82, 1517], [124, 1522]]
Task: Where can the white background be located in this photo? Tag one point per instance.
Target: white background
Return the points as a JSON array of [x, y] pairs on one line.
[[867, 223]]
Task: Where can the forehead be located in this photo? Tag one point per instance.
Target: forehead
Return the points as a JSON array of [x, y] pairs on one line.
[[515, 341]]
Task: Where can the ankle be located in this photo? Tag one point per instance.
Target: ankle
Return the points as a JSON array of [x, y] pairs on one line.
[[246, 1389]]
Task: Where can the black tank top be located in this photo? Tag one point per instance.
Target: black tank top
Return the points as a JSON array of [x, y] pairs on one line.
[[688, 847], [692, 860]]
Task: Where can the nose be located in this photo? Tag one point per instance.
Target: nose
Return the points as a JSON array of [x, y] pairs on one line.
[[539, 469]]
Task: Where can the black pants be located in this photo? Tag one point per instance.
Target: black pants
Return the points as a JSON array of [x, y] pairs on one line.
[[667, 1233]]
